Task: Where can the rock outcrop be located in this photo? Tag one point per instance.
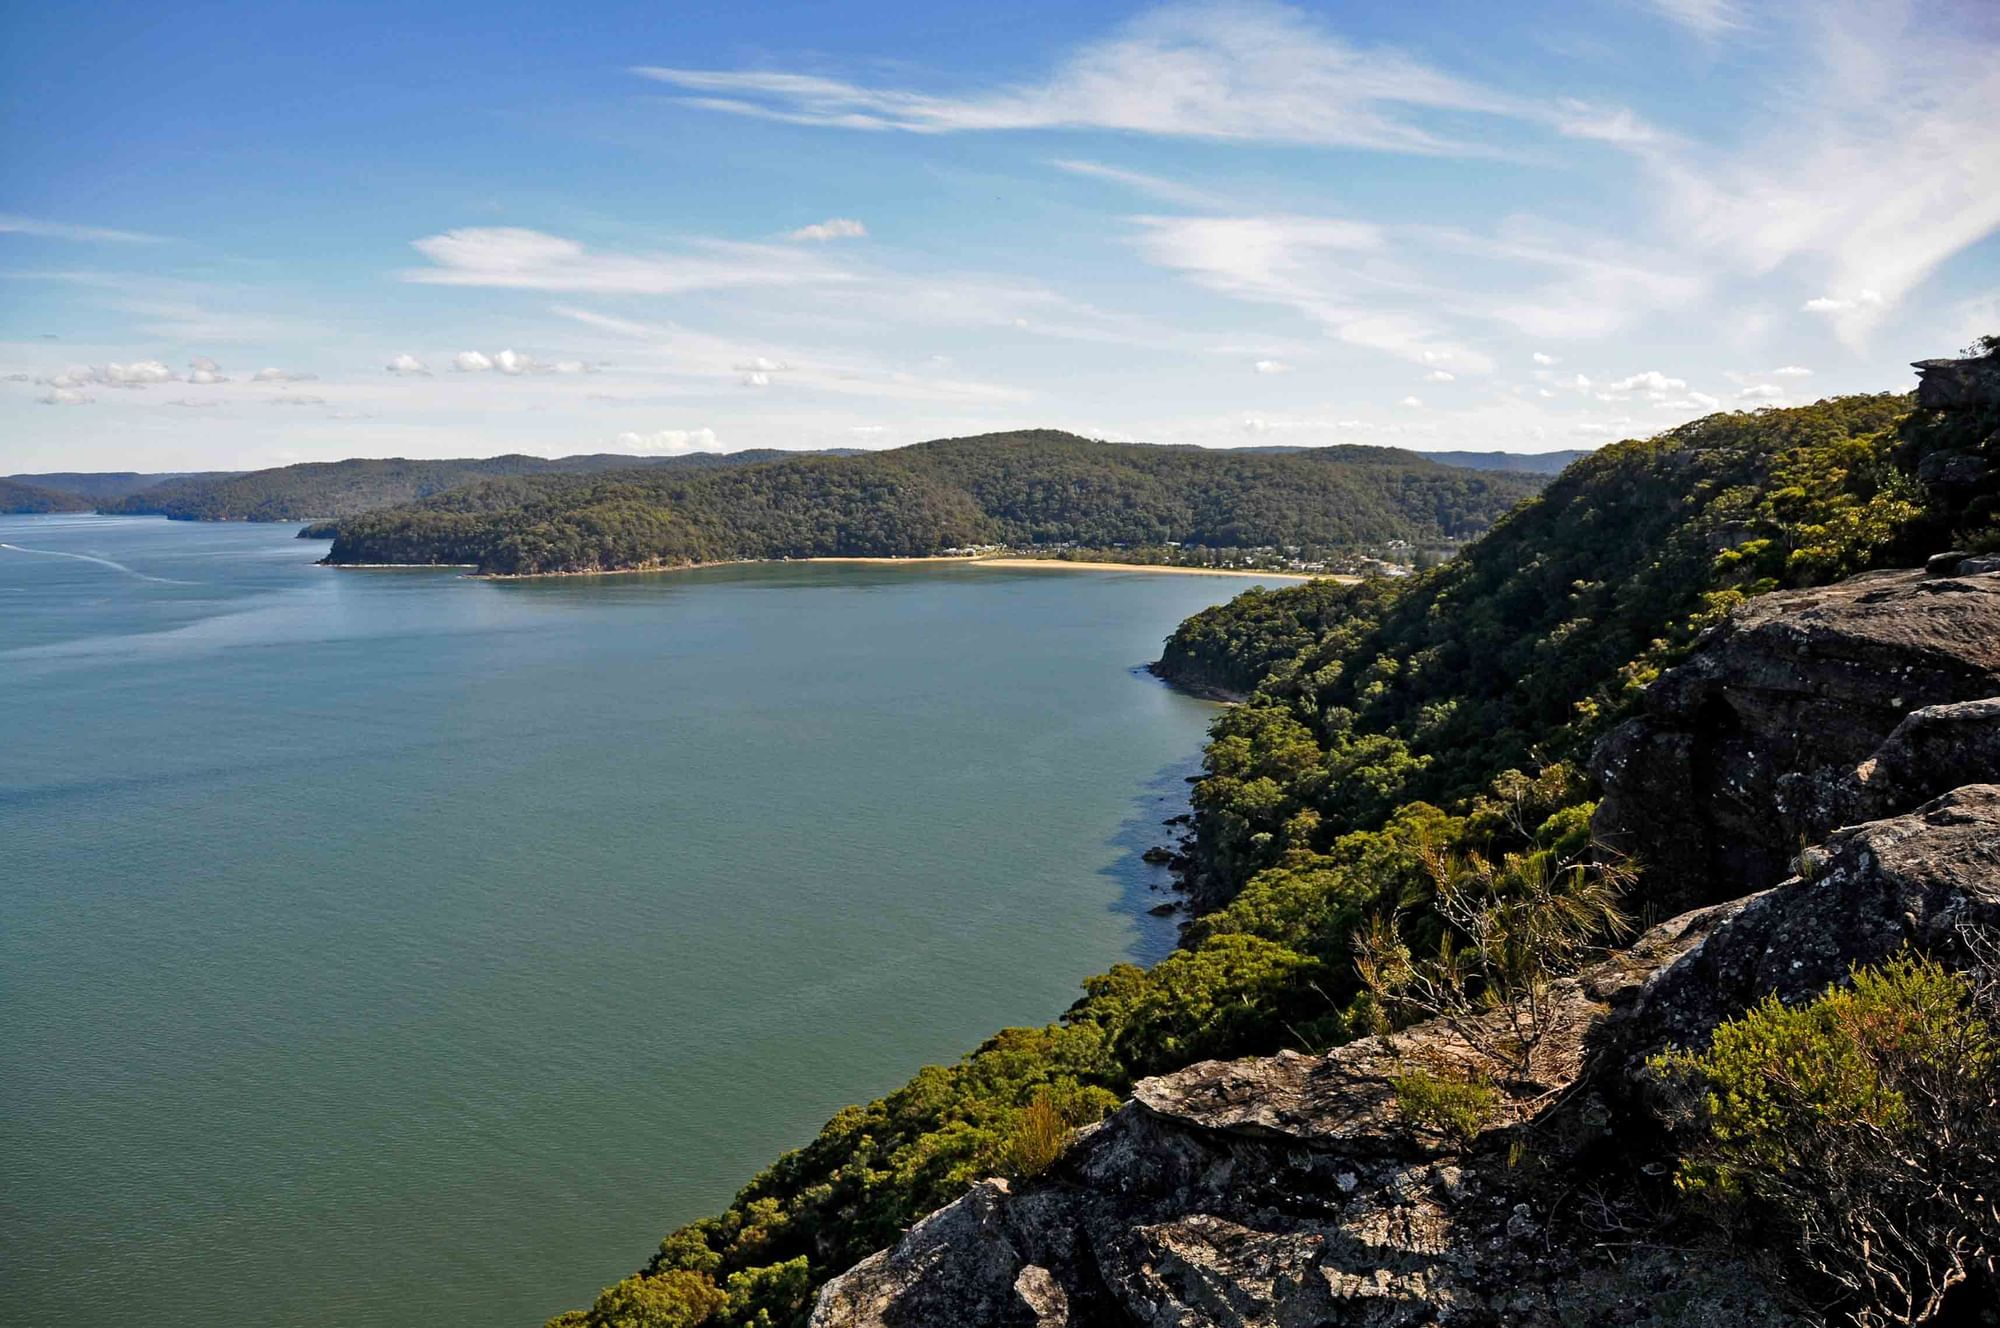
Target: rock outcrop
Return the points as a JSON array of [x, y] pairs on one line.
[[1291, 1190], [1804, 711], [1962, 384], [1952, 443], [1287, 1190]]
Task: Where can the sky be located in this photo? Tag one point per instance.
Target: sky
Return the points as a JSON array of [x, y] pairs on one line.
[[247, 235]]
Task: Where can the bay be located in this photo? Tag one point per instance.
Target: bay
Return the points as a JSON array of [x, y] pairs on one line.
[[381, 948]]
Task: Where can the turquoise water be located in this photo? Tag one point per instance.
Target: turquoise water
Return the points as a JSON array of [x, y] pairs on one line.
[[391, 948]]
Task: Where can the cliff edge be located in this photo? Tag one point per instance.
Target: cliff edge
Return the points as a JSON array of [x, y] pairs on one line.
[[1862, 718]]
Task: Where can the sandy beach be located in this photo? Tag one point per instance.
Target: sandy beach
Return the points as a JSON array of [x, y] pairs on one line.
[[1078, 565], [1065, 564]]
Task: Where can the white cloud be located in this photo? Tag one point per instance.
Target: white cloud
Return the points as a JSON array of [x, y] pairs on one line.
[[708, 359], [1792, 371], [512, 258], [14, 224], [1414, 403], [1440, 376], [833, 228], [408, 366], [1545, 360], [756, 379], [204, 372], [571, 367], [1246, 71], [511, 361], [669, 441], [1167, 191], [140, 373], [1705, 18], [1841, 304], [1272, 367], [1761, 392], [1651, 385], [276, 375], [135, 374], [298, 401], [471, 361], [1324, 268], [1899, 95], [67, 396]]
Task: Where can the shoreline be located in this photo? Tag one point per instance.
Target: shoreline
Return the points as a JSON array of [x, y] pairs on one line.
[[1078, 564], [1067, 564]]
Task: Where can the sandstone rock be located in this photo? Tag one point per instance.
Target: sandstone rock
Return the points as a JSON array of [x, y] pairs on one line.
[[1934, 750], [1750, 749], [1284, 1191], [1917, 879], [1958, 384]]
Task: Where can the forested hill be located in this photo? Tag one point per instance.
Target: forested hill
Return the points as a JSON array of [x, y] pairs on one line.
[[317, 489], [16, 497], [105, 485], [1038, 487], [1389, 725]]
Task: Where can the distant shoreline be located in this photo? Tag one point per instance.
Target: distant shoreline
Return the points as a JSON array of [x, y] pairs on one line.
[[1078, 564], [1069, 564]]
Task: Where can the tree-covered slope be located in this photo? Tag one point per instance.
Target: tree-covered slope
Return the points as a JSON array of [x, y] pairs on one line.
[[1031, 488], [17, 497], [106, 485], [317, 489], [1391, 727]]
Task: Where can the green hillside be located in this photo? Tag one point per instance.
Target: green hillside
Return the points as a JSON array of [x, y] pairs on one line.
[[1034, 488], [1386, 723], [317, 489], [17, 497]]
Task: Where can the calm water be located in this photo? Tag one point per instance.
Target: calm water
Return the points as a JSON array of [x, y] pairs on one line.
[[394, 948]]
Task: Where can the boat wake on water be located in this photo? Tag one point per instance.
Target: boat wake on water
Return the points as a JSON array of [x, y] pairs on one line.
[[93, 558]]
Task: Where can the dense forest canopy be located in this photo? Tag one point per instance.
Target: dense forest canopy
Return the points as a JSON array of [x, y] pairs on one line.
[[1041, 488], [317, 489], [19, 497], [104, 485], [1384, 723]]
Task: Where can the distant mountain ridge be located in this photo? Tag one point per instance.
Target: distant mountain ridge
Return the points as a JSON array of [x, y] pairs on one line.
[[1526, 463], [17, 497], [320, 489], [106, 485], [1029, 488]]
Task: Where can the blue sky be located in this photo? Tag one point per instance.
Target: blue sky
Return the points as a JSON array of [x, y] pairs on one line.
[[234, 236]]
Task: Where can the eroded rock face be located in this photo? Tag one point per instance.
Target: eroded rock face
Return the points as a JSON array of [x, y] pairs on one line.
[[1756, 746], [1958, 384], [1285, 1191]]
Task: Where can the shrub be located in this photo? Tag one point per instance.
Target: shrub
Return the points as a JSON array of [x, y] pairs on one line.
[[676, 1298], [1454, 1104], [1862, 1124]]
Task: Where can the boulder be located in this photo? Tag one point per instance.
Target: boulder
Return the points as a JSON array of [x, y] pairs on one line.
[[1755, 746]]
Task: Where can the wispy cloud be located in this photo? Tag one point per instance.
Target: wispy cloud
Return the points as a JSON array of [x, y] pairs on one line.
[[14, 224], [1153, 186], [1897, 95], [711, 360], [1704, 18], [1254, 71], [518, 259]]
